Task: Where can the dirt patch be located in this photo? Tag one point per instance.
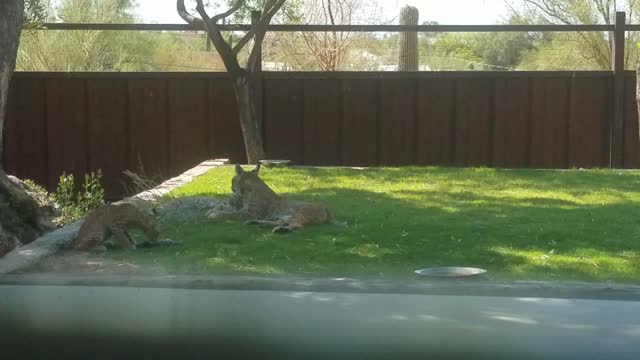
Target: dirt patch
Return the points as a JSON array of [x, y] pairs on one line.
[[81, 263]]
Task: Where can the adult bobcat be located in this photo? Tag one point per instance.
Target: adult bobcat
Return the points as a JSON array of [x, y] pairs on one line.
[[253, 197], [114, 219]]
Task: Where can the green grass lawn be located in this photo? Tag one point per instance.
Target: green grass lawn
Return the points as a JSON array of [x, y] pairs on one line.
[[518, 224]]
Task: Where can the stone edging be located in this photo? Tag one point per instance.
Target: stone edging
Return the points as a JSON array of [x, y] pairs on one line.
[[54, 241]]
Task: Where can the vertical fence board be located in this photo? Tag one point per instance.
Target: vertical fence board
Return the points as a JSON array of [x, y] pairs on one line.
[[631, 131], [225, 133], [108, 136], [148, 126], [589, 122], [188, 123], [435, 122], [473, 122], [66, 128], [549, 123], [25, 136], [359, 122], [322, 119], [511, 126], [397, 121], [283, 114]]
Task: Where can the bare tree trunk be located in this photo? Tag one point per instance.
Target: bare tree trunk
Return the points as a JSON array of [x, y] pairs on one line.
[[246, 99], [11, 12], [20, 214]]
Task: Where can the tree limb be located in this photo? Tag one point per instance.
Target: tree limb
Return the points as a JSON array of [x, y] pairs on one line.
[[547, 9], [229, 59], [259, 31], [229, 12], [270, 9], [184, 14]]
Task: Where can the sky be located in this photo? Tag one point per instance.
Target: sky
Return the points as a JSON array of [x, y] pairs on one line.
[[446, 12]]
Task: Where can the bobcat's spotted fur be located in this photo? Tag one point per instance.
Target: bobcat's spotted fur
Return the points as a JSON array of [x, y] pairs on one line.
[[113, 220], [253, 197]]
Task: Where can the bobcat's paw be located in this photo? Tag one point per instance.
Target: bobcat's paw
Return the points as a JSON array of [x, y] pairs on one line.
[[281, 230]]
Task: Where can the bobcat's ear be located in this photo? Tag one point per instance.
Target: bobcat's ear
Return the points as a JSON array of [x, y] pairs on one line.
[[154, 211], [257, 169], [239, 169]]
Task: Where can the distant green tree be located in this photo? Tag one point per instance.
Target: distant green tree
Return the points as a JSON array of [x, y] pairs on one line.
[[478, 51], [81, 50], [591, 49]]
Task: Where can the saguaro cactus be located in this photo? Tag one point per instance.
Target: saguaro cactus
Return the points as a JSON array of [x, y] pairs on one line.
[[408, 41]]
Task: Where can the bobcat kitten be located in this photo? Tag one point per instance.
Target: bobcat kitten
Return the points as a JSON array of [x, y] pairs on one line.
[[113, 220]]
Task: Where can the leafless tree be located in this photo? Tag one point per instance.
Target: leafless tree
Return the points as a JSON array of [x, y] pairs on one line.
[[330, 48], [244, 79]]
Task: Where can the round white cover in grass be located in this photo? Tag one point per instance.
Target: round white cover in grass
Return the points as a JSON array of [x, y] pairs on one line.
[[450, 272]]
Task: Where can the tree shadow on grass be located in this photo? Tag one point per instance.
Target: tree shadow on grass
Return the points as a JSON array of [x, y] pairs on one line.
[[391, 234], [575, 182]]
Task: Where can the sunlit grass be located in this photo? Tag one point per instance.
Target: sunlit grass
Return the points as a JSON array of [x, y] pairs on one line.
[[518, 224]]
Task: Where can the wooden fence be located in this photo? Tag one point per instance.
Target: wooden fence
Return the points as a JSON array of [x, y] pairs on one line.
[[168, 122]]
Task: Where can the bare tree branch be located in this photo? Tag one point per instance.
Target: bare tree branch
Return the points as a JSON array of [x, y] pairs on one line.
[[184, 14], [549, 9], [270, 10], [259, 31], [229, 12], [229, 59]]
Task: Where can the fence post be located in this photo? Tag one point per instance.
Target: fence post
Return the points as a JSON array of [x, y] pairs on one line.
[[616, 153], [255, 18]]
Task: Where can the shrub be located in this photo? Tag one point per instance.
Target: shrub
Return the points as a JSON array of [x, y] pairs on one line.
[[74, 205]]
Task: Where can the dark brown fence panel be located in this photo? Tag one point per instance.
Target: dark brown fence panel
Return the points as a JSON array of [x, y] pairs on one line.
[[631, 131], [80, 122], [224, 126], [188, 123], [322, 118], [107, 114], [549, 123], [591, 110], [397, 121], [25, 135], [511, 122], [360, 122], [149, 139], [473, 122], [67, 131], [283, 113], [435, 122]]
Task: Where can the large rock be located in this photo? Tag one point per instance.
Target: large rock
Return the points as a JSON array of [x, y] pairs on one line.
[[24, 214]]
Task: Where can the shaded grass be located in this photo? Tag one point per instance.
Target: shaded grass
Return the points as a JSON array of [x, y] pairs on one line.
[[518, 224]]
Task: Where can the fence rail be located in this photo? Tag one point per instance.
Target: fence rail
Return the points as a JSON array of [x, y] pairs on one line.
[[343, 28]]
